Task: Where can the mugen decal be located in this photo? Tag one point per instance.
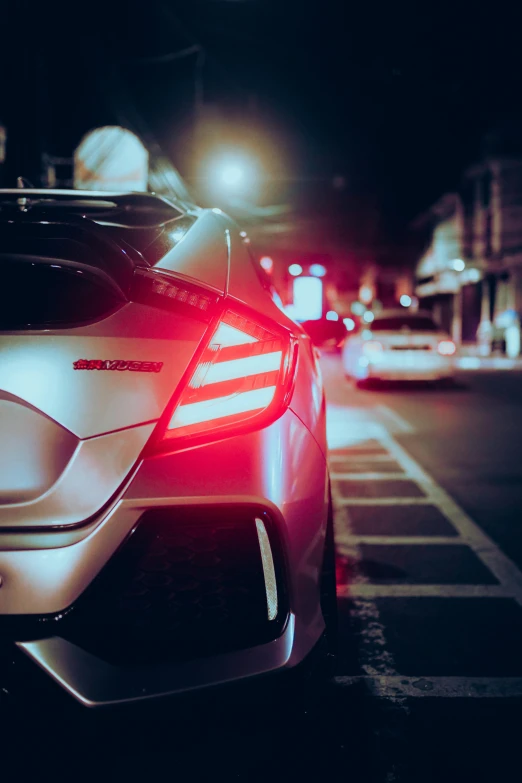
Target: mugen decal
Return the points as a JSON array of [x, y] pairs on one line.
[[117, 364]]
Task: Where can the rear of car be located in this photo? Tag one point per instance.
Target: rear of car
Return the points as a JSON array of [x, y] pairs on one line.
[[399, 345], [163, 480]]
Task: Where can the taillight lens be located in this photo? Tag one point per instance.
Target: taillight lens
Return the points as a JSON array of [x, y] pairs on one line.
[[372, 347], [242, 378], [446, 348]]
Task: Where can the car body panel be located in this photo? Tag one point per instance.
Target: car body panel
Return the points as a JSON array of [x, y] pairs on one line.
[[87, 472]]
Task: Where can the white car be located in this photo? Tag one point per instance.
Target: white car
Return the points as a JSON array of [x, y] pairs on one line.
[[399, 345]]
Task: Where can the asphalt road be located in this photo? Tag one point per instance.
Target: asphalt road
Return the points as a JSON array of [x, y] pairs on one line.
[[427, 487]]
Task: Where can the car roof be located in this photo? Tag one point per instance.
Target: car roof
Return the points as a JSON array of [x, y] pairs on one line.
[[104, 207]]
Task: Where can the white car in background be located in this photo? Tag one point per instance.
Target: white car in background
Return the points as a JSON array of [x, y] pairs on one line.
[[399, 345]]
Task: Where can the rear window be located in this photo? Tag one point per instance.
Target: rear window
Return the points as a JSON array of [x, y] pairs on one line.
[[416, 323], [36, 295]]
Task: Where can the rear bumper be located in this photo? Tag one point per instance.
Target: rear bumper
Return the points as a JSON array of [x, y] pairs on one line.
[[414, 367], [280, 472]]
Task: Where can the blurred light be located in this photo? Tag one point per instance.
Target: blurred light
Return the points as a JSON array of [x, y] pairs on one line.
[[295, 269], [469, 363], [368, 316], [366, 334], [365, 294], [232, 175], [242, 234], [308, 299], [473, 275], [317, 270], [372, 346], [267, 264], [349, 323], [446, 348], [405, 300], [357, 308], [331, 315], [363, 361], [459, 265]]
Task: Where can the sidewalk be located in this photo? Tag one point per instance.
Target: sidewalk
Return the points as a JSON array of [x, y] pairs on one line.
[[469, 358]]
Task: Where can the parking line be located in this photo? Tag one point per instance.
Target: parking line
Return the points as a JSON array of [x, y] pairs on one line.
[[356, 458], [399, 423], [387, 687], [372, 591], [374, 657], [357, 540], [368, 476], [351, 501], [481, 544]]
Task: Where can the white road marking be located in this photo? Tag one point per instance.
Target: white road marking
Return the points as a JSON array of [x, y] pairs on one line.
[[377, 662], [368, 476], [373, 591], [439, 687], [403, 540], [352, 501], [481, 544], [356, 458], [374, 658], [400, 424]]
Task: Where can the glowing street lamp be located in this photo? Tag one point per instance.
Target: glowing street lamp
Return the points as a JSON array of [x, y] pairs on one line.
[[295, 270], [405, 300]]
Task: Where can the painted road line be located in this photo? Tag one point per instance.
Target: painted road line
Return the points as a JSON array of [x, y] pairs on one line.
[[373, 591], [385, 501], [437, 687], [374, 658], [356, 458], [369, 476], [398, 423], [357, 540], [481, 544]]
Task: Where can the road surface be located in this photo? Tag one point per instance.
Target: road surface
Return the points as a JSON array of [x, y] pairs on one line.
[[427, 486]]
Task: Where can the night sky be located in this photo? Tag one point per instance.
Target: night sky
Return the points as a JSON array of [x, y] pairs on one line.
[[395, 98]]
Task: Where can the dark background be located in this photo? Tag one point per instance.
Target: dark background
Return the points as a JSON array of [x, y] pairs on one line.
[[394, 98]]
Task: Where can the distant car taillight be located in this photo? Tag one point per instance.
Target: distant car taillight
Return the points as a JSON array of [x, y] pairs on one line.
[[446, 348], [241, 379]]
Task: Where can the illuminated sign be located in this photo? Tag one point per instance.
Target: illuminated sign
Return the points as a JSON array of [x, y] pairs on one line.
[[308, 298]]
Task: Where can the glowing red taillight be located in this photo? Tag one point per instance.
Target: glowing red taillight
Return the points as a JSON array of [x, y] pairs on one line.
[[243, 377], [446, 348]]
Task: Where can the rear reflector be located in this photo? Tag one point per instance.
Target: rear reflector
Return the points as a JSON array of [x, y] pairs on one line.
[[243, 377]]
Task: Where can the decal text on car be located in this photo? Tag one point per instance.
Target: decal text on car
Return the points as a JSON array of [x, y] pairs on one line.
[[117, 364]]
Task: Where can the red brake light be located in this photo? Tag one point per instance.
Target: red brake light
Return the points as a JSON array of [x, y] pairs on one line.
[[446, 348], [243, 377]]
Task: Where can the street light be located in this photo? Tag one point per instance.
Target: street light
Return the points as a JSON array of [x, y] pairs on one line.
[[295, 270]]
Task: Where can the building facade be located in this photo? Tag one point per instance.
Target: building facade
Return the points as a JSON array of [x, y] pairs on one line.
[[470, 274]]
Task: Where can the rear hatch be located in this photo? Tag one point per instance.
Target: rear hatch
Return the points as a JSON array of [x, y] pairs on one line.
[[408, 341], [88, 361]]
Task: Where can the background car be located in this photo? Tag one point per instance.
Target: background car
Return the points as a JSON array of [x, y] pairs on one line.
[[165, 516], [399, 345]]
